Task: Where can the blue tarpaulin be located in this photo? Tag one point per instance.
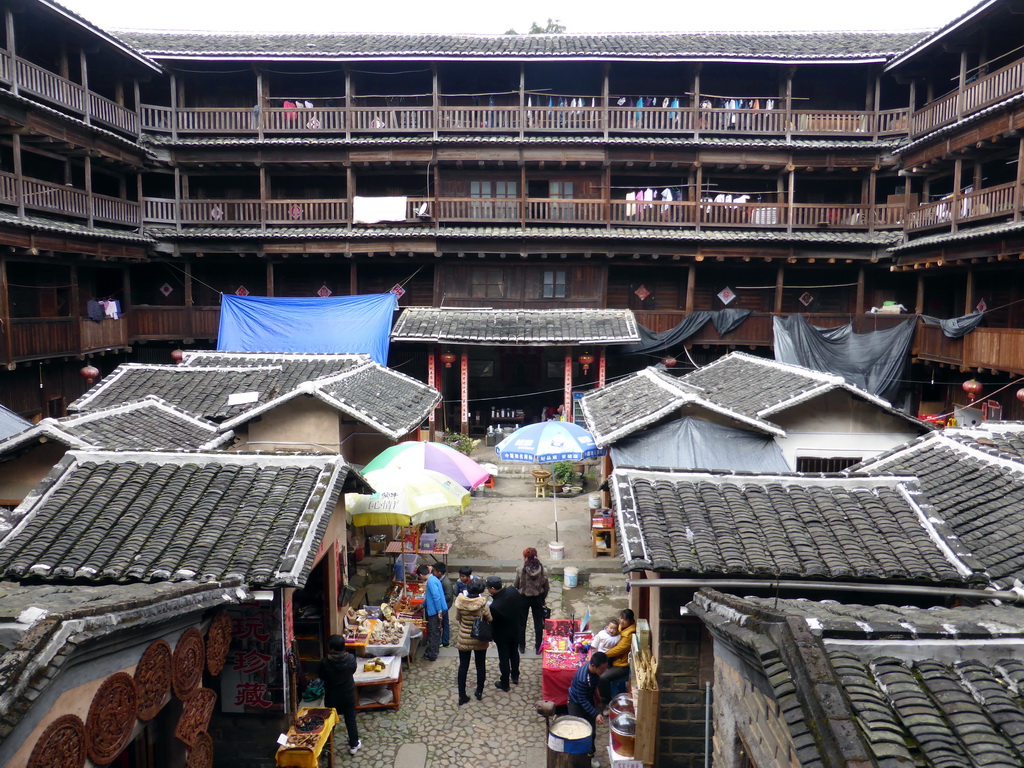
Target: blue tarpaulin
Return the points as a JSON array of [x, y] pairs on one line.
[[333, 324]]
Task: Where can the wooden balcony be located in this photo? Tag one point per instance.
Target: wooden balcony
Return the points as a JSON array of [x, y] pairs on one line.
[[990, 203], [931, 344], [590, 118], [997, 349], [39, 337], [655, 213], [983, 92], [68, 201], [106, 334], [172, 323], [32, 80]]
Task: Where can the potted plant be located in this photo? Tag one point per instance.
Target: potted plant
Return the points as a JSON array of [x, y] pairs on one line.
[[561, 473]]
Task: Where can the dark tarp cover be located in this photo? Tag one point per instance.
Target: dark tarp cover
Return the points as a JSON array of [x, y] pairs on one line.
[[691, 443], [336, 324], [873, 361], [724, 320], [956, 327]]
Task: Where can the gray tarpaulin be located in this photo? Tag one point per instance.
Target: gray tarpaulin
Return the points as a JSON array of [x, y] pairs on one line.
[[724, 320], [873, 361], [691, 443], [956, 327]]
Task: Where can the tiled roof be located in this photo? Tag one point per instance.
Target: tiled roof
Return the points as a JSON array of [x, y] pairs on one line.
[[644, 398], [11, 423], [978, 493], [103, 34], [971, 233], [517, 326], [736, 142], [1001, 439], [820, 237], [388, 401], [926, 41], [761, 388], [35, 646], [203, 391], [149, 424], [782, 526], [957, 126], [38, 224], [741, 46], [127, 517], [924, 687]]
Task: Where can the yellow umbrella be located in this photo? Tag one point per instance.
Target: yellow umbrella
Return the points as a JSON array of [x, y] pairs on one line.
[[406, 497]]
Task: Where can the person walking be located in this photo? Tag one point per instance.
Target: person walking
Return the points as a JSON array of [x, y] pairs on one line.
[[336, 670], [441, 571], [434, 606], [505, 612], [465, 576], [468, 608], [532, 584]]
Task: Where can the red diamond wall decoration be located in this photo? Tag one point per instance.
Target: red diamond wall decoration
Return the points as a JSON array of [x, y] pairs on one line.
[[398, 290], [726, 295], [241, 291], [642, 292], [324, 292], [806, 299], [166, 289]]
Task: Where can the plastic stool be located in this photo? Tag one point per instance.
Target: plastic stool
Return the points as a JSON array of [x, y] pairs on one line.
[[489, 482]]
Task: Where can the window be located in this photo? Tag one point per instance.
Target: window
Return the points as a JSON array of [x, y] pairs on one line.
[[488, 284], [492, 195], [560, 190], [555, 285], [825, 463]]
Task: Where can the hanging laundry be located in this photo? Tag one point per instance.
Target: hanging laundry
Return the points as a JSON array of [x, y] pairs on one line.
[[666, 196], [292, 115], [622, 101], [630, 208], [675, 105], [93, 310]]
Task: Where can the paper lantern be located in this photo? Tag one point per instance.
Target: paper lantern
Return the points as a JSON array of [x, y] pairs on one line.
[[177, 355], [973, 388], [447, 358], [669, 362], [90, 373], [585, 360]]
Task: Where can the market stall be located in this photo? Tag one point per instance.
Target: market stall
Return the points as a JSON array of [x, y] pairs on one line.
[[563, 650], [307, 739]]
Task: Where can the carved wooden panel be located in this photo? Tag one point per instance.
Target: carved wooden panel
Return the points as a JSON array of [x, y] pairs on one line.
[[62, 745], [187, 663], [112, 715], [201, 754], [218, 640], [195, 715], [153, 679]]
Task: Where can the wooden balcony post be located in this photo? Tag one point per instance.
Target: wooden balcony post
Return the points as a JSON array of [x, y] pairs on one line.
[[5, 307], [350, 190], [955, 203], [260, 122], [872, 191], [138, 109], [780, 274], [75, 311], [350, 103], [691, 282], [19, 183], [11, 49], [859, 306], [435, 94], [353, 278], [263, 197], [177, 198], [789, 199], [605, 98], [919, 301], [188, 303], [876, 105], [1018, 202], [87, 105], [174, 107], [606, 203], [961, 83], [696, 107], [270, 277], [790, 71], [969, 292], [88, 190]]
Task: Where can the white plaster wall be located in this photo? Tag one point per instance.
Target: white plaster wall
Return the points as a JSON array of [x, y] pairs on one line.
[[840, 425], [20, 475], [300, 424]]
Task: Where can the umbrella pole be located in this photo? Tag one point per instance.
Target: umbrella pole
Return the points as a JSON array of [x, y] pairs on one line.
[[554, 498]]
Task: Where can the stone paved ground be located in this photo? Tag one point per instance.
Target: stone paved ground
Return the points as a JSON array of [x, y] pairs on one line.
[[504, 730]]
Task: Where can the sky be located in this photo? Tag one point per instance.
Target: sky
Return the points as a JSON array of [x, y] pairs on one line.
[[480, 16]]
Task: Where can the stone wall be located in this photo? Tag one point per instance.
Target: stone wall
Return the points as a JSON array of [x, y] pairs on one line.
[[684, 668]]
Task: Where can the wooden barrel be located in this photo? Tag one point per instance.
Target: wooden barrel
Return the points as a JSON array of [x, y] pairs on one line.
[[570, 740]]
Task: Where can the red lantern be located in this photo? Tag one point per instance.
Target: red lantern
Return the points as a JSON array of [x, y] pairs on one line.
[[90, 373], [447, 358], [585, 360], [973, 388], [1020, 395], [669, 362], [177, 355]]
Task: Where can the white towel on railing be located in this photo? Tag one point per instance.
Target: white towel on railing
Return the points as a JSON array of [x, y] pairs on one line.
[[371, 210]]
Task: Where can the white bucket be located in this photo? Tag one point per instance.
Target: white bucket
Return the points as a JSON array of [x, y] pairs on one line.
[[557, 550], [571, 576], [595, 501]]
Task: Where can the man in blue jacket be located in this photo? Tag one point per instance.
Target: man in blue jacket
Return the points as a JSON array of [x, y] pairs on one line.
[[434, 605], [582, 690]]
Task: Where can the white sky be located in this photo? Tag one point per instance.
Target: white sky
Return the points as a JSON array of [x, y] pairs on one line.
[[488, 17]]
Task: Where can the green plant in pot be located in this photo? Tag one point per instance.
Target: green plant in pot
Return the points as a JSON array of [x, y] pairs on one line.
[[561, 473]]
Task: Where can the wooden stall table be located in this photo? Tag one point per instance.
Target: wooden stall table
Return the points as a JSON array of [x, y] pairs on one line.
[[390, 679], [439, 552], [558, 661], [304, 747]]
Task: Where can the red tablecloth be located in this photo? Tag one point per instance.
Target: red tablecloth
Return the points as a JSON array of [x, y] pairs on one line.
[[555, 678]]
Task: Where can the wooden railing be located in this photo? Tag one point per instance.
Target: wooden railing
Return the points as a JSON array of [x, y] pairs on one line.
[[149, 322], [983, 92], [1000, 349], [106, 334], [931, 344], [68, 201], [658, 213], [592, 117], [992, 202], [35, 337]]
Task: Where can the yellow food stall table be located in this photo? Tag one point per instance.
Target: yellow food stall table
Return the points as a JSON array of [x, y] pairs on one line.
[[305, 743]]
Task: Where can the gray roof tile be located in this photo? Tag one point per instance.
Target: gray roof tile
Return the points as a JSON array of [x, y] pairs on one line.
[[171, 517], [978, 493], [781, 526], [771, 46], [149, 424], [39, 224], [517, 326]]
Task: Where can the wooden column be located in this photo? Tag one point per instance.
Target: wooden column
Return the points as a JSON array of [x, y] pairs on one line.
[[336, 570], [790, 71], [76, 328], [5, 309], [262, 103], [567, 385], [87, 163], [349, 104], [433, 381], [602, 367], [691, 282], [859, 305], [919, 301], [435, 97], [960, 83], [957, 201], [263, 192], [789, 200], [912, 99], [177, 197], [11, 49], [696, 108], [464, 392], [605, 104], [188, 303], [522, 101], [780, 274], [350, 190], [699, 187], [85, 84], [353, 278], [969, 292], [174, 106], [270, 278], [1018, 199], [871, 202], [876, 104], [19, 180]]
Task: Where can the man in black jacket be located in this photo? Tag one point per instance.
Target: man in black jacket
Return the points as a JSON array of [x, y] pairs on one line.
[[337, 670], [505, 610]]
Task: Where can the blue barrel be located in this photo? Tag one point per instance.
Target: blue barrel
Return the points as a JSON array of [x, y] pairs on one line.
[[570, 740]]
